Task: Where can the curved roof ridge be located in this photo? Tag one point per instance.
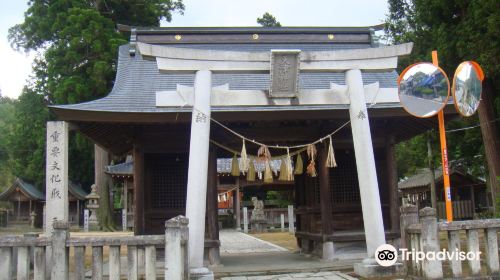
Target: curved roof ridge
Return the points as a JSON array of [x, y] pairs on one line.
[[26, 188]]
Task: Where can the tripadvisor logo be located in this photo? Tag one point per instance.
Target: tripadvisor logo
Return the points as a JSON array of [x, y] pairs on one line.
[[386, 255]]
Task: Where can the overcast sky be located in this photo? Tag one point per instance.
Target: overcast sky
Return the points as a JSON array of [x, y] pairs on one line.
[[15, 67]]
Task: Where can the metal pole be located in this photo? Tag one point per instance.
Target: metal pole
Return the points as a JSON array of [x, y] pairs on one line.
[[444, 155]]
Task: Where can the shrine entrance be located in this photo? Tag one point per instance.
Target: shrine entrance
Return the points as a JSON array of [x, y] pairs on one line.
[[185, 97]]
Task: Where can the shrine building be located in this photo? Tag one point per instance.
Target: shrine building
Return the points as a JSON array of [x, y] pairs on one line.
[[185, 97]]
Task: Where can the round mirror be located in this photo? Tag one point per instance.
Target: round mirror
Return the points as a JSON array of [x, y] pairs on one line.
[[467, 87], [423, 89]]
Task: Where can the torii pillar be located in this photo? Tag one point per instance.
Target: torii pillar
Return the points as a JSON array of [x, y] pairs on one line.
[[367, 177], [197, 174]]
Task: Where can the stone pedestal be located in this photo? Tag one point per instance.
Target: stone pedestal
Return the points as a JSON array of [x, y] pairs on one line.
[[201, 273], [258, 226], [369, 268]]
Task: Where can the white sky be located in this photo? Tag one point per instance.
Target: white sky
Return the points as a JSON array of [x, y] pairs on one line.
[[15, 67]]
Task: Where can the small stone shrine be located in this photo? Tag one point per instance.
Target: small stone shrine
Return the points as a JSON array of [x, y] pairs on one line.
[[258, 221]]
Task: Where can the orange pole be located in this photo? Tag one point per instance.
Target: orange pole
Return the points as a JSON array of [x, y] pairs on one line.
[[444, 155]]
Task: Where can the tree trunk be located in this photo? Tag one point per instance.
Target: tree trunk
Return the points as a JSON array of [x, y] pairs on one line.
[[490, 138], [102, 181]]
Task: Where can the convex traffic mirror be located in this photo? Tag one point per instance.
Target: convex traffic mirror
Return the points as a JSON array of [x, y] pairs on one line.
[[424, 89], [467, 87]]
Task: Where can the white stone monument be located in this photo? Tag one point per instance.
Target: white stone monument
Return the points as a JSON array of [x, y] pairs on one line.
[[86, 215], [124, 219], [56, 182]]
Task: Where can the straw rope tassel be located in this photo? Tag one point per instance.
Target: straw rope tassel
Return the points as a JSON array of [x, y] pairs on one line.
[[251, 171], [235, 168], [330, 158], [268, 174], [299, 165], [311, 168], [244, 162], [289, 167], [283, 170]]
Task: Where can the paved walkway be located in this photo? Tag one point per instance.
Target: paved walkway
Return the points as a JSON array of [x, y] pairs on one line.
[[324, 275], [235, 242]]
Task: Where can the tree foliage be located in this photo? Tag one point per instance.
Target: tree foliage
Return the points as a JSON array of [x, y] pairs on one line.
[[77, 45], [268, 20], [458, 30], [6, 120], [26, 141]]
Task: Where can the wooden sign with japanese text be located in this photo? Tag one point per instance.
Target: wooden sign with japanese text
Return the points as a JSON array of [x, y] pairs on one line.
[[56, 176]]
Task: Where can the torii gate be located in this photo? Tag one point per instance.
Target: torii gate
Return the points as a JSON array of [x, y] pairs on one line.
[[284, 67]]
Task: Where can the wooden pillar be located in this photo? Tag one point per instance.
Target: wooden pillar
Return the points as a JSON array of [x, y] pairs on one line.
[[139, 223], [77, 212], [392, 179], [212, 206], [326, 203], [473, 200]]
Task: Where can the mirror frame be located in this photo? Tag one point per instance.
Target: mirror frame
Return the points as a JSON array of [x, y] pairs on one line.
[[480, 75], [400, 78]]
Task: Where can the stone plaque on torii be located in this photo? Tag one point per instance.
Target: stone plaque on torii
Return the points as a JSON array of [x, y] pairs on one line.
[[284, 74]]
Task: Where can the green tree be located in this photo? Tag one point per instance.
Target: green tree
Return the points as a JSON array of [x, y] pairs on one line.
[[268, 20], [458, 30], [26, 141], [6, 120], [77, 44]]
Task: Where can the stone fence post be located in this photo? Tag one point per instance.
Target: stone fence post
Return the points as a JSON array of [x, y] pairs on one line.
[[59, 269], [409, 216], [245, 219], [432, 269], [176, 249], [291, 220]]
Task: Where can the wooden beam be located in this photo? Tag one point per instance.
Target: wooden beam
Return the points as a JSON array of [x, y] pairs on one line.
[[392, 179], [139, 222], [212, 206], [325, 192]]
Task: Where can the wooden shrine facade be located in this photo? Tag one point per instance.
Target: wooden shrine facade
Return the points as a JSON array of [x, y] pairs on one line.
[[341, 81]]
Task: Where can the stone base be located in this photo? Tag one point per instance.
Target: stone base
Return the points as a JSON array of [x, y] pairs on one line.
[[258, 226], [201, 273], [94, 227], [369, 268], [328, 252]]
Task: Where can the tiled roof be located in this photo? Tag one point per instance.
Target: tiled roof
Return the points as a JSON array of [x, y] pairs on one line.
[[423, 178], [77, 191], [138, 80], [28, 189], [126, 169]]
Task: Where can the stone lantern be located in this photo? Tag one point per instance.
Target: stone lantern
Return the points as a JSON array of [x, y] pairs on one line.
[[32, 219], [93, 205]]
